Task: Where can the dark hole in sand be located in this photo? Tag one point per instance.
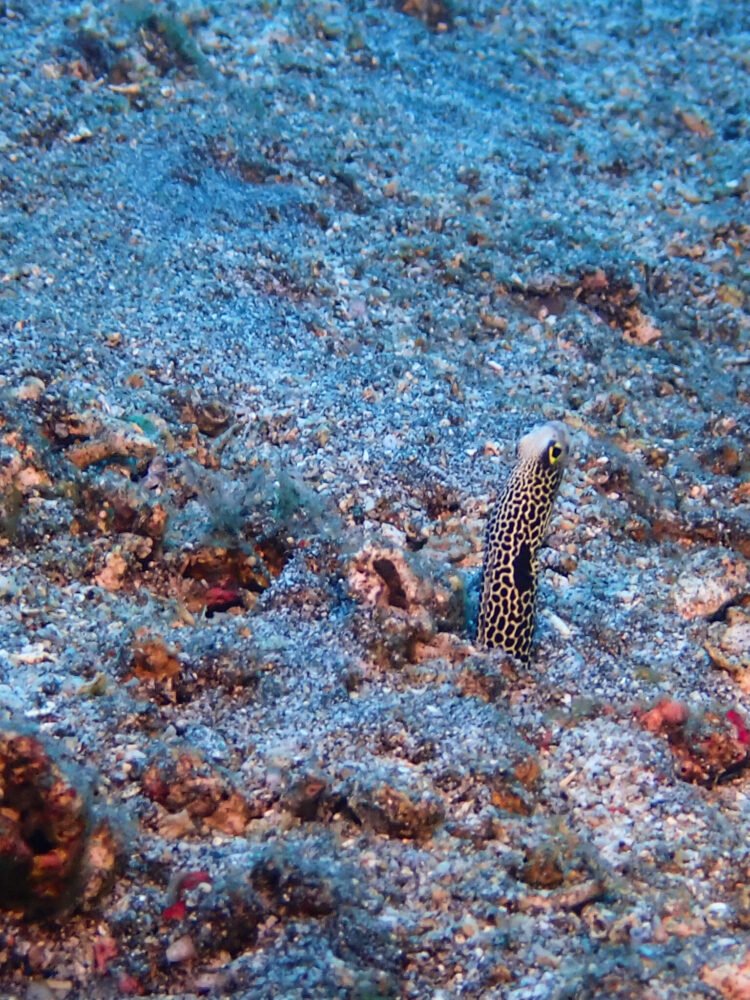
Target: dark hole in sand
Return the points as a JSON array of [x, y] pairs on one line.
[[396, 595], [39, 842]]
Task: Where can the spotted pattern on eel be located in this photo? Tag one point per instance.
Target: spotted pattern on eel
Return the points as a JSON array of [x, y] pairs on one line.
[[515, 530]]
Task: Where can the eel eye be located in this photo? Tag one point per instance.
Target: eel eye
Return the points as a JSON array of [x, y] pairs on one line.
[[553, 453]]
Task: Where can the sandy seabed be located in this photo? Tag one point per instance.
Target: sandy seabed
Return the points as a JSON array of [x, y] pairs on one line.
[[281, 285]]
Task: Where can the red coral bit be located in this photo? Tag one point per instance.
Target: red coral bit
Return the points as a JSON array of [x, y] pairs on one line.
[[665, 715], [105, 948], [222, 597], [741, 730], [191, 880], [129, 986], [544, 739], [176, 911], [183, 883]]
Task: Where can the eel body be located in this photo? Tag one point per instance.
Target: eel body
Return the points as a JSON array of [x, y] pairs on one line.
[[515, 530]]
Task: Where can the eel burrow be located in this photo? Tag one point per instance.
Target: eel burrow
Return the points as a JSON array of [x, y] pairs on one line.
[[515, 530]]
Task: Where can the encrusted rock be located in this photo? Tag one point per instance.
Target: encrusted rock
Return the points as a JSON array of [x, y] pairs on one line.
[[436, 14], [226, 577], [485, 677], [112, 505], [185, 784], [154, 660], [706, 748], [667, 715], [731, 981], [709, 584], [390, 804], [101, 437], [729, 646], [411, 604], [20, 469], [50, 858], [129, 554], [509, 794], [383, 578]]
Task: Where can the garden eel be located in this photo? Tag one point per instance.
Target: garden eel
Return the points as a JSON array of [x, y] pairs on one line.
[[515, 531]]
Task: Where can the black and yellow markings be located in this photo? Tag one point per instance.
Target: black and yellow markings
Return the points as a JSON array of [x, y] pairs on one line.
[[515, 530]]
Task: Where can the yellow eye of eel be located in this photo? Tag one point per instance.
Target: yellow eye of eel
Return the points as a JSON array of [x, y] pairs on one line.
[[515, 530]]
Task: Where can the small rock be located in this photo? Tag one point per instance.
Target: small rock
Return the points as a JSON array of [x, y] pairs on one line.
[[212, 417], [81, 133], [100, 438], [31, 388], [8, 586], [542, 869], [154, 660], [181, 950], [175, 826], [111, 577], [383, 578], [304, 796]]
